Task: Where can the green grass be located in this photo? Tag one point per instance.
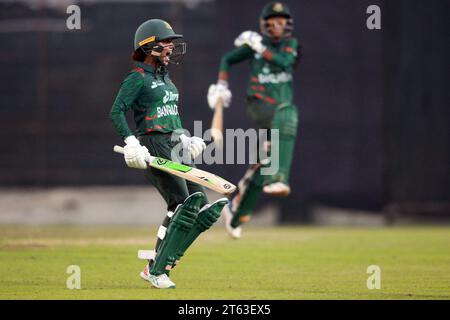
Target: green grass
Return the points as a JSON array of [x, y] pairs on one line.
[[268, 263]]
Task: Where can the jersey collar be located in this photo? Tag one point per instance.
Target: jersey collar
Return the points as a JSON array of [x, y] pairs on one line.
[[151, 69], [146, 67]]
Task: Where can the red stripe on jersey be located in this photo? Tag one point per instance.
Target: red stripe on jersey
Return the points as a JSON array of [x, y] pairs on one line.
[[288, 49], [139, 69], [147, 118], [156, 127], [270, 100], [254, 79]]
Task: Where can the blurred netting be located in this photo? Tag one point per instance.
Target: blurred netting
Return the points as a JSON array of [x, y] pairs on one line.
[[373, 104]]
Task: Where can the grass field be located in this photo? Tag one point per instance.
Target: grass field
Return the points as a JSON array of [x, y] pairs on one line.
[[268, 263]]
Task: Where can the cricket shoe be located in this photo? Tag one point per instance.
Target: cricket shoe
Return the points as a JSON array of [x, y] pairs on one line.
[[161, 282], [277, 189], [235, 233]]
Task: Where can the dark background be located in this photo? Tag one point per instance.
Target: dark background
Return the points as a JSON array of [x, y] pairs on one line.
[[374, 104]]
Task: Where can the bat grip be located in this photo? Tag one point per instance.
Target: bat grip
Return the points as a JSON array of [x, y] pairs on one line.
[[119, 149]]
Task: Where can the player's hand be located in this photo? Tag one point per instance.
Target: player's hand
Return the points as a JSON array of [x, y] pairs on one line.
[[135, 155], [193, 145], [252, 39], [219, 91]]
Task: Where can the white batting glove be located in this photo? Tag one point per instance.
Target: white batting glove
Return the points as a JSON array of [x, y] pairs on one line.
[[194, 145], [219, 91], [252, 39], [135, 154]]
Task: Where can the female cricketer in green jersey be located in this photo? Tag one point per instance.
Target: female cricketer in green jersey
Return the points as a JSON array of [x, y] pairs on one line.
[[273, 58], [153, 98]]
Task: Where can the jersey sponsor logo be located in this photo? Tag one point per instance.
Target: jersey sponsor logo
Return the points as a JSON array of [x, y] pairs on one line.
[[169, 96], [156, 84], [274, 78]]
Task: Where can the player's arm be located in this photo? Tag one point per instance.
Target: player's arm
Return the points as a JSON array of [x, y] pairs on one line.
[[128, 93], [231, 58], [285, 59], [219, 94], [135, 155]]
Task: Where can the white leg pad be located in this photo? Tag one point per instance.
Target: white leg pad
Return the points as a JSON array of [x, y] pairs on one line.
[[146, 254]]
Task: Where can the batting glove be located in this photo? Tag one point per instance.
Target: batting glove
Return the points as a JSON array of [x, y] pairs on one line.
[[135, 155], [252, 39], [217, 92], [193, 145]]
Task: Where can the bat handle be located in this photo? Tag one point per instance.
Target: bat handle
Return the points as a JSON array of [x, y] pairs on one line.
[[119, 149]]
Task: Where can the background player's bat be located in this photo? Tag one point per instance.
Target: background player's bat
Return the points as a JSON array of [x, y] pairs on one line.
[[206, 179], [217, 124]]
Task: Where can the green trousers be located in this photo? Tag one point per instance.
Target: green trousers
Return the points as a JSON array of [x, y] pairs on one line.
[[173, 189], [284, 118]]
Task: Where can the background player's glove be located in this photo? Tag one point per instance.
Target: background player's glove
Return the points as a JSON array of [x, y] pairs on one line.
[[135, 154], [219, 91], [193, 145], [252, 39]]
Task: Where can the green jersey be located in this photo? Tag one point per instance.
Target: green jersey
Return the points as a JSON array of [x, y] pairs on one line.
[[270, 79], [153, 98]]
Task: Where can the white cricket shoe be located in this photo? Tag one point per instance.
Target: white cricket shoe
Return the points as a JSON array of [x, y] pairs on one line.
[[277, 189], [161, 282], [235, 233]]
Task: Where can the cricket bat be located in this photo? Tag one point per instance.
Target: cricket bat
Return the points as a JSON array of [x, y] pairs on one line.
[[217, 124], [204, 178]]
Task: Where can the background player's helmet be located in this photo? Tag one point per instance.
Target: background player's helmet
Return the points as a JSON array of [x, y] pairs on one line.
[[276, 9], [149, 35]]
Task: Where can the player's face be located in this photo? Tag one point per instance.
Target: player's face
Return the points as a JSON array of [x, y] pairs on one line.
[[276, 25], [166, 52]]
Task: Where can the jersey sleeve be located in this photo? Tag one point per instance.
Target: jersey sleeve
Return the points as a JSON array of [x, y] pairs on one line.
[[235, 56], [128, 93], [288, 56]]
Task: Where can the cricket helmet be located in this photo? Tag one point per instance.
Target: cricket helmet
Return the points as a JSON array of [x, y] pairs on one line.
[[276, 9], [153, 30], [149, 35]]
